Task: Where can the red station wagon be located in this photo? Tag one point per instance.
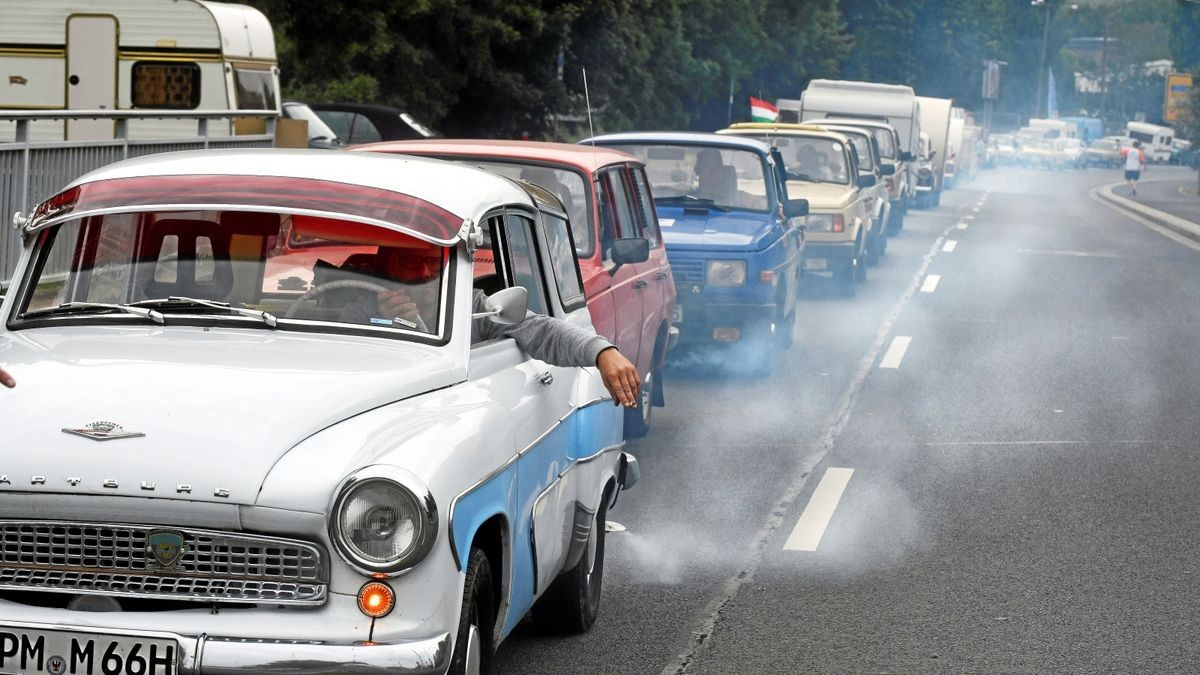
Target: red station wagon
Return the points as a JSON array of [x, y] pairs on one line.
[[607, 198]]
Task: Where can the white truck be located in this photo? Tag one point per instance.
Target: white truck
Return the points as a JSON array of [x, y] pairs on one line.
[[105, 55], [870, 103], [1156, 140], [935, 122]]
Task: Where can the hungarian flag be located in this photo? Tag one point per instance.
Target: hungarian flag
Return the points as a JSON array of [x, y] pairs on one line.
[[762, 111]]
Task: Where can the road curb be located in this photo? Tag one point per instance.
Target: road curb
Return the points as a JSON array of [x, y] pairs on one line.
[[1172, 222]]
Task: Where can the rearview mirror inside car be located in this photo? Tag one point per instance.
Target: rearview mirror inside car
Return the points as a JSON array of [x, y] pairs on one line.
[[795, 208], [629, 250]]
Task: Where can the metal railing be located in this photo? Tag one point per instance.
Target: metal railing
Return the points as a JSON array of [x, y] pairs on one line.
[[32, 170]]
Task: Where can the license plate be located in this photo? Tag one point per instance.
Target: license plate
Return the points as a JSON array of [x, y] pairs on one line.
[[677, 314], [816, 264], [58, 652]]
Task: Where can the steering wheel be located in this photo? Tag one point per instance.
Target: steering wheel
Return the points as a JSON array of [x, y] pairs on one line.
[[336, 285]]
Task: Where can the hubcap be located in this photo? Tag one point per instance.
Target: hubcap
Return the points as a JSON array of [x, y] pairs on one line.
[[474, 662], [646, 396]]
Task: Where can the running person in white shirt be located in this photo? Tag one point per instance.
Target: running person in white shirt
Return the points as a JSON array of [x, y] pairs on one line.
[[1135, 161]]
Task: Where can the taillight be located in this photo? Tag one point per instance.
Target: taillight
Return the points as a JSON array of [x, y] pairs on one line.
[[839, 224], [891, 183]]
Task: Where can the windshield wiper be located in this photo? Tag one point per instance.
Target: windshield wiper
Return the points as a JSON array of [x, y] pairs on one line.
[[266, 317], [690, 200], [73, 307]]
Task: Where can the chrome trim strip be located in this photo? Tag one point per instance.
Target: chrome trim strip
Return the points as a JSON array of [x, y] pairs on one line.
[[501, 469]]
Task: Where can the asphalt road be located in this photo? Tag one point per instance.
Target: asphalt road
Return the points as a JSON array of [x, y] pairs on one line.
[[1013, 492]]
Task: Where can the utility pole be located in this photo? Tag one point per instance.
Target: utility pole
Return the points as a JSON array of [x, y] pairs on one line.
[[1037, 109], [1104, 72]]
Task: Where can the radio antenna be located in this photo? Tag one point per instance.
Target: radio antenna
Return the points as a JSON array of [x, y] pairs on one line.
[[587, 100]]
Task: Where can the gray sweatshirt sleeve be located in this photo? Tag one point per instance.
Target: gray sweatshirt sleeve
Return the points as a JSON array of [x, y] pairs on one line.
[[545, 338]]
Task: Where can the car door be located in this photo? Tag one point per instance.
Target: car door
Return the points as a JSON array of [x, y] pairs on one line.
[[616, 219], [658, 302], [535, 395]]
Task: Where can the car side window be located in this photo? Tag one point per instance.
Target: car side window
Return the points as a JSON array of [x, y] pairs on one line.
[[604, 208], [562, 255], [337, 120], [363, 130], [646, 202], [626, 224], [523, 268]]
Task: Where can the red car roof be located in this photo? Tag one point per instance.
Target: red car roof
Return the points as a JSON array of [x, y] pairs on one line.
[[584, 157]]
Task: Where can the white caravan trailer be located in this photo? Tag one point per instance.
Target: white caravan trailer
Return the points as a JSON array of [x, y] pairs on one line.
[[955, 147], [134, 55], [1156, 140], [1054, 129], [935, 122]]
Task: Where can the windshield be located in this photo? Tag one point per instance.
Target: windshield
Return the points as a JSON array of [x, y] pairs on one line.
[[725, 177], [862, 148], [313, 271], [317, 128], [566, 184], [814, 159], [883, 138]]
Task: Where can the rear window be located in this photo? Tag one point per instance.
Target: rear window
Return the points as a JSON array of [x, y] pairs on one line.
[[566, 184], [166, 85]]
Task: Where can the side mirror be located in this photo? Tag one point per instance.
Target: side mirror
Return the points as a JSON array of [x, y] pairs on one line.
[[907, 156], [630, 250], [866, 181], [932, 154], [795, 208], [506, 307], [887, 169]]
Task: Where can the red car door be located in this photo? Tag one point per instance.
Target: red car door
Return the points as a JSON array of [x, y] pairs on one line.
[[658, 301], [617, 221]]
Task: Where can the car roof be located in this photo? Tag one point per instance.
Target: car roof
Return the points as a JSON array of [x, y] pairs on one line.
[[680, 138], [357, 107], [851, 121], [580, 156], [463, 191], [759, 129]]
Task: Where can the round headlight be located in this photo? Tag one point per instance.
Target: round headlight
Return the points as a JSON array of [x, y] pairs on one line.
[[382, 526]]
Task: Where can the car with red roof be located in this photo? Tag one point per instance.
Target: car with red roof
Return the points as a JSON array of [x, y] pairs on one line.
[[607, 198]]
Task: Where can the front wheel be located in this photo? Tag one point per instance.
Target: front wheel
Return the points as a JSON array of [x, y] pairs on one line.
[[845, 276], [475, 642], [572, 602]]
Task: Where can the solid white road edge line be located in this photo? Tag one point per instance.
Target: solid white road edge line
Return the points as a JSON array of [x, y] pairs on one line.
[[895, 353], [950, 245], [816, 516], [931, 283]]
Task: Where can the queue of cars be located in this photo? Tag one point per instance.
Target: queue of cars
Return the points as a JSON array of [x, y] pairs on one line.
[[310, 475]]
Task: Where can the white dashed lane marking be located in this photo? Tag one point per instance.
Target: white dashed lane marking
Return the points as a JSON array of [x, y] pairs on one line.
[[895, 352], [962, 226], [931, 283], [816, 516], [950, 245]]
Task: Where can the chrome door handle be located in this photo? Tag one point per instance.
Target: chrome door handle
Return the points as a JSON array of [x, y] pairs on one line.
[[640, 283], [546, 378]]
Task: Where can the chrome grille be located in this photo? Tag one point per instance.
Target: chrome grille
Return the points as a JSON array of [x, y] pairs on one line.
[[688, 271], [114, 560]]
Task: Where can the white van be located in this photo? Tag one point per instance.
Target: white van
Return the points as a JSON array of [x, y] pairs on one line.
[[134, 54], [1156, 140], [935, 123]]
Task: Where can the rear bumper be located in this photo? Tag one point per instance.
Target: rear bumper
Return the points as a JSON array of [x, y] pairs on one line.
[[215, 655], [701, 320]]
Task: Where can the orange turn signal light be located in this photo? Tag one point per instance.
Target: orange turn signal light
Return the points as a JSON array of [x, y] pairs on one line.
[[376, 599]]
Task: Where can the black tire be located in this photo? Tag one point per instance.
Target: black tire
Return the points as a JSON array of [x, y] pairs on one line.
[[897, 219], [860, 270], [478, 617], [785, 331], [637, 420], [572, 602], [845, 278]]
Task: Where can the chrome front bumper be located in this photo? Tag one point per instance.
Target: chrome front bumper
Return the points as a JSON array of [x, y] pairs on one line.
[[208, 655]]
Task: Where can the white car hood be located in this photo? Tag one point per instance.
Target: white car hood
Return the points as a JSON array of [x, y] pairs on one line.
[[218, 407]]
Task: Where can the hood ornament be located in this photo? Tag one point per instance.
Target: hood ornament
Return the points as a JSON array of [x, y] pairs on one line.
[[103, 431]]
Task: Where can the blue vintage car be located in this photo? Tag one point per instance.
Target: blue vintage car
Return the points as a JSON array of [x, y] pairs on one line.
[[734, 239]]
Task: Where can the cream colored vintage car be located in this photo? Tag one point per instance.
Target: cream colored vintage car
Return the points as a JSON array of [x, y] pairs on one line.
[[228, 454], [821, 166]]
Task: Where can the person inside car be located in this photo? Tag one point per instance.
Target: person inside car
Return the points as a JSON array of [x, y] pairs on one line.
[[414, 272], [6, 379]]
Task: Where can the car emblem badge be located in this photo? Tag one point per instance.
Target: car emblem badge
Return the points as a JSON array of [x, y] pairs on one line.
[[165, 547], [103, 431]]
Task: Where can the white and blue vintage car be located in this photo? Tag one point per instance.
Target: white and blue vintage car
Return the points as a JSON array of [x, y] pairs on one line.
[[217, 461]]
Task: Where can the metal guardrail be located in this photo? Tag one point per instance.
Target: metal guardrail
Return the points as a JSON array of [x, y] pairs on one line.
[[32, 170]]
